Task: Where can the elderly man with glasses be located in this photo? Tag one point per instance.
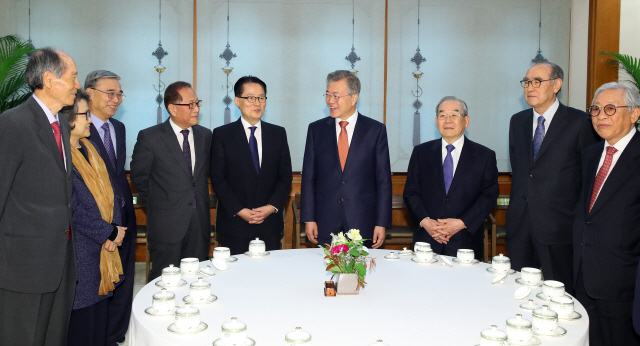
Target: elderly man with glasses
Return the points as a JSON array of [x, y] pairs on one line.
[[606, 238], [169, 169], [545, 146]]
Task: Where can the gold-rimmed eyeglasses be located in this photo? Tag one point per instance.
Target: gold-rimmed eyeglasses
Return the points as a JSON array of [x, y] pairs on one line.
[[608, 109], [452, 116]]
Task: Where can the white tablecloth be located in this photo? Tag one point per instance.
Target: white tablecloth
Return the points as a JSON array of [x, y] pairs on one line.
[[404, 303]]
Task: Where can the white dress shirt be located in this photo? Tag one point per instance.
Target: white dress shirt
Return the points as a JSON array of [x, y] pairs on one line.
[[180, 138], [52, 119], [350, 127], [112, 131], [455, 153], [257, 134], [548, 116], [620, 146]]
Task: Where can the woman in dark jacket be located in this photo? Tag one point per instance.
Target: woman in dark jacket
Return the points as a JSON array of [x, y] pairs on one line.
[[96, 232]]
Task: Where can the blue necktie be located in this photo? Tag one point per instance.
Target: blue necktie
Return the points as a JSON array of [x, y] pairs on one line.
[[538, 136], [253, 145], [186, 152], [108, 145], [447, 168]]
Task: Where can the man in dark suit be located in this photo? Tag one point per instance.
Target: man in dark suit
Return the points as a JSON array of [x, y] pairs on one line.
[[37, 253], [545, 146], [250, 172], [109, 135], [169, 170], [346, 174], [452, 185], [606, 240]]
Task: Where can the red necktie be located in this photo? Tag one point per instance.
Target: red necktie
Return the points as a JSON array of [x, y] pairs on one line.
[[343, 144], [602, 174], [56, 133]]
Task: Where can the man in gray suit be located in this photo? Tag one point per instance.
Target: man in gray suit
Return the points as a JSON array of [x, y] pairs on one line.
[[37, 255], [169, 170]]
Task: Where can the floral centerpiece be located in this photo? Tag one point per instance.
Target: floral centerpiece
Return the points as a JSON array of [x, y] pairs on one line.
[[347, 255]]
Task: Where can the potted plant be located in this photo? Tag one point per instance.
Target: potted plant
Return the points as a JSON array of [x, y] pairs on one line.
[[348, 258], [629, 64], [13, 61]]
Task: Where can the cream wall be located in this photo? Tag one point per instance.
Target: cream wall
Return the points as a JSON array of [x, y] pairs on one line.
[[629, 30]]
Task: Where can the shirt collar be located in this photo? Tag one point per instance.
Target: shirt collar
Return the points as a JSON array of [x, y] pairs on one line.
[[624, 141], [52, 118], [246, 125], [548, 115], [177, 129], [352, 119], [457, 144], [97, 122]]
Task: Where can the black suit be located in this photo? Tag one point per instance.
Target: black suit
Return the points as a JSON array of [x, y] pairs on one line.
[[606, 242], [544, 191], [37, 263], [120, 302], [160, 174], [238, 186], [471, 197]]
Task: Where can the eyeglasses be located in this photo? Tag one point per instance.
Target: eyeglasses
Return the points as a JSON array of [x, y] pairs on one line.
[[608, 110], [191, 105], [329, 97], [86, 114], [111, 94], [535, 82], [452, 116], [252, 99]]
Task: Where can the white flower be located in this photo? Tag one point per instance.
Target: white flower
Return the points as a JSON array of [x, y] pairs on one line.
[[364, 248], [354, 234], [341, 238]]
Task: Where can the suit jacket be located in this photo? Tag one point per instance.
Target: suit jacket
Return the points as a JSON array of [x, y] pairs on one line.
[[35, 200], [119, 176], [238, 186], [161, 176], [362, 192], [550, 185], [473, 191], [606, 241]]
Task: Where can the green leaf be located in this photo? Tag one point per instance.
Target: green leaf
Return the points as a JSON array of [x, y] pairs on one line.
[[354, 252], [364, 253], [13, 61], [627, 63], [362, 270]]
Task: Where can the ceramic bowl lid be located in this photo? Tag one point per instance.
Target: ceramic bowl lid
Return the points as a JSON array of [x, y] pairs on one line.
[[298, 336], [164, 295], [171, 270], [494, 333], [187, 311], [233, 326], [545, 312], [200, 284], [500, 259], [256, 241], [189, 260], [518, 322], [378, 343]]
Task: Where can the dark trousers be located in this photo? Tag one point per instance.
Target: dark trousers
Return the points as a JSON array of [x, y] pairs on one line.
[[88, 325], [122, 299], [324, 238], [609, 322], [39, 319], [240, 245], [194, 244], [461, 240], [555, 261]]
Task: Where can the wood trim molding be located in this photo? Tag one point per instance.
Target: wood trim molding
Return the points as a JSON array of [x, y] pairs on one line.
[[195, 46], [604, 35]]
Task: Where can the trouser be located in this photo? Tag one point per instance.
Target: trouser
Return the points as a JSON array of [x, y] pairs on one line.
[[122, 299]]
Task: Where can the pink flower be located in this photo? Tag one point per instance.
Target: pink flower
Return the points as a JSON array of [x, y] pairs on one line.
[[339, 248]]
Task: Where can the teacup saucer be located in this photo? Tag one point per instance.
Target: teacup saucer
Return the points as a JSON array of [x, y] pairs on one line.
[[433, 260], [519, 281], [510, 272], [188, 300], [530, 305], [544, 297], [248, 253], [405, 252], [249, 342], [394, 257], [201, 328], [574, 316], [446, 261], [232, 259], [205, 272], [499, 279], [151, 312], [474, 261], [559, 332], [534, 341], [161, 284]]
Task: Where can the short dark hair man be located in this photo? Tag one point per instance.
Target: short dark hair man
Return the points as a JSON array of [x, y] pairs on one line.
[[37, 254], [250, 172], [452, 185], [169, 169]]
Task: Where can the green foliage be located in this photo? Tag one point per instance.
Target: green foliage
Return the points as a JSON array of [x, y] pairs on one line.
[[13, 61], [347, 254], [628, 63]]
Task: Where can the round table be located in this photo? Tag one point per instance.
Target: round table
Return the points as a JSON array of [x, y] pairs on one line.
[[404, 303]]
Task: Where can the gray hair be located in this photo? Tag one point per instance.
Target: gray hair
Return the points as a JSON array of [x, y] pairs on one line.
[[92, 78], [631, 95], [353, 83], [43, 60], [465, 110], [556, 71]]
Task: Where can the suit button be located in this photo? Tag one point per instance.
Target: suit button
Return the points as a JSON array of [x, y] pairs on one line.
[[531, 176], [66, 232], [342, 182], [588, 222], [69, 205], [446, 200]]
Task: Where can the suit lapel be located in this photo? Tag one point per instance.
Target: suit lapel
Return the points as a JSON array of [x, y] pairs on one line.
[[591, 171], [357, 140], [333, 139], [199, 144], [558, 123], [527, 135], [65, 129], [436, 155], [171, 141], [46, 133], [121, 148], [466, 163], [240, 136], [103, 151]]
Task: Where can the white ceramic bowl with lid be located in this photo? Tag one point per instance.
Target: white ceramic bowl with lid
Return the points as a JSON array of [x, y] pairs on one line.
[[256, 247], [465, 255], [171, 275], [493, 337], [545, 321], [187, 318], [424, 254], [297, 337], [189, 266], [500, 264], [164, 302], [552, 288], [234, 333], [562, 305], [200, 290], [519, 330], [221, 252]]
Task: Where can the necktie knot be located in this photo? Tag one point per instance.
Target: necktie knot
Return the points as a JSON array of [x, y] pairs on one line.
[[253, 129], [343, 124], [450, 148], [185, 133], [105, 126], [541, 120], [611, 150]]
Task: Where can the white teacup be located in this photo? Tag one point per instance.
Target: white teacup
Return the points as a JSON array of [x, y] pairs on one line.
[[552, 288], [421, 245], [493, 337], [545, 321], [234, 332], [189, 265], [163, 302], [519, 330], [465, 255], [531, 276], [424, 255], [221, 252], [187, 318], [256, 247], [200, 290], [500, 264], [562, 305], [171, 275]]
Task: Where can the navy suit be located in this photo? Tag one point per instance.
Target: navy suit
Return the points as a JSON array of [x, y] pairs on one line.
[[606, 244], [120, 303], [359, 197], [471, 197]]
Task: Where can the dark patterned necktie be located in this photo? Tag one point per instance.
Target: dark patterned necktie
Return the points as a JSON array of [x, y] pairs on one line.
[[602, 174], [253, 145], [538, 136], [186, 152], [58, 135], [108, 145], [447, 168]]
